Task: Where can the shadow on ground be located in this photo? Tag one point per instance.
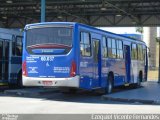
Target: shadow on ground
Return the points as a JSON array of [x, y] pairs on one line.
[[53, 94]]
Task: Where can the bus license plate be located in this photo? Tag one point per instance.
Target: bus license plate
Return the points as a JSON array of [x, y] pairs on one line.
[[47, 83]]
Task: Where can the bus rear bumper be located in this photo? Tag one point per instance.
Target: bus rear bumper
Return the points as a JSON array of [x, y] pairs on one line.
[[61, 82]]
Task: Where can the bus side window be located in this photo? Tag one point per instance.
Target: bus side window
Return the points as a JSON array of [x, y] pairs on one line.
[[13, 45], [114, 48], [85, 44], [134, 51], [104, 44], [119, 49], [144, 54], [140, 54], [1, 50], [19, 46], [109, 45]]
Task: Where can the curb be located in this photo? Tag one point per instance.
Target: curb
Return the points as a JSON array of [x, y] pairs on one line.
[[29, 93], [104, 97]]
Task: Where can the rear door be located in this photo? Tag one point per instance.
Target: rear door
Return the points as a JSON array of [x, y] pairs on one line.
[[127, 63]]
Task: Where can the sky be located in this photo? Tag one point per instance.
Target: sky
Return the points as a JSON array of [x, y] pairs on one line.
[[126, 30], [120, 30]]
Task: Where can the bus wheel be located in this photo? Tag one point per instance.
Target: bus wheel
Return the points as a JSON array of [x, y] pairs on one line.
[[109, 87]]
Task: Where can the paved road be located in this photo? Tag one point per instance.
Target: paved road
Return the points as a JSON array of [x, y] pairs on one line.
[[147, 93], [73, 103]]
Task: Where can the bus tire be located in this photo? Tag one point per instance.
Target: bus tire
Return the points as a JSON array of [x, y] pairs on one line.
[[109, 86]]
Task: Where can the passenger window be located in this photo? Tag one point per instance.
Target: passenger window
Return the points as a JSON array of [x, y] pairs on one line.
[[19, 46], [134, 51], [109, 44], [85, 44], [112, 52], [104, 47], [1, 50], [119, 49], [13, 45], [144, 54], [114, 48], [140, 52]]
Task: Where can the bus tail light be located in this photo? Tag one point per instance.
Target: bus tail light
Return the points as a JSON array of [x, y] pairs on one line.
[[24, 69], [73, 69]]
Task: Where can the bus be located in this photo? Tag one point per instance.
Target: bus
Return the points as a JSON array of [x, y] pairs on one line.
[[134, 36], [10, 57], [76, 56]]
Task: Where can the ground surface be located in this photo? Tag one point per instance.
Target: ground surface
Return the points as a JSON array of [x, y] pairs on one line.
[[147, 93], [72, 103]]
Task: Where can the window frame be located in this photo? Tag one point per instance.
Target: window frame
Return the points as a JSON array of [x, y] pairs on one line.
[[133, 57], [17, 44], [105, 47], [120, 49], [111, 56], [13, 45], [90, 43]]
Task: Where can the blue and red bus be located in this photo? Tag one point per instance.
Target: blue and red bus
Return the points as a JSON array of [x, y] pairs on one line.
[[73, 55]]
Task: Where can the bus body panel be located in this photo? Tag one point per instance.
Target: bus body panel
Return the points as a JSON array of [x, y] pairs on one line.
[[49, 66]]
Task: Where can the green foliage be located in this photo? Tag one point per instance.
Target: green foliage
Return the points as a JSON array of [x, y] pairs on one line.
[[139, 29]]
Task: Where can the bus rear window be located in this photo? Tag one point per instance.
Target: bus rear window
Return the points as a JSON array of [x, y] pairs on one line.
[[52, 40]]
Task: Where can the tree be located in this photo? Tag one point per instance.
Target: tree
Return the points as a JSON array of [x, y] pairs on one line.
[[139, 29]]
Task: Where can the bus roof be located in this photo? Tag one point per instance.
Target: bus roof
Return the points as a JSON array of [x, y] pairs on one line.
[[11, 31], [81, 24]]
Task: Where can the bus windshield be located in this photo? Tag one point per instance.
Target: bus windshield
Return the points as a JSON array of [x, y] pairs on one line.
[[56, 39]]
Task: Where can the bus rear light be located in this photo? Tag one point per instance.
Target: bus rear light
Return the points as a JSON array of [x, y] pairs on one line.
[[24, 69], [73, 69]]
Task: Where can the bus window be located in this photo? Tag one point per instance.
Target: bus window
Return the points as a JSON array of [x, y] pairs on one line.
[[134, 51], [6, 46], [119, 49], [104, 48], [1, 55], [1, 50], [13, 45], [85, 46], [113, 48], [49, 40], [19, 46], [144, 53], [140, 54], [109, 45]]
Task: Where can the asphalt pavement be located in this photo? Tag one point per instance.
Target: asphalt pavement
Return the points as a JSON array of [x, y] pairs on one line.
[[148, 93]]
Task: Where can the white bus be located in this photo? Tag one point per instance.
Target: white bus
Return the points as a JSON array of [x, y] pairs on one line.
[[10, 57]]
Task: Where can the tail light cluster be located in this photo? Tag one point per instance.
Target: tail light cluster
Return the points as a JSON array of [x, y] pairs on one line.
[[24, 69], [73, 69]]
